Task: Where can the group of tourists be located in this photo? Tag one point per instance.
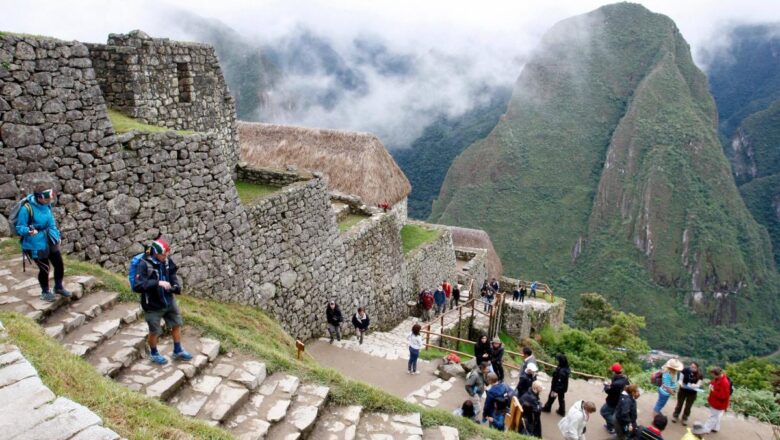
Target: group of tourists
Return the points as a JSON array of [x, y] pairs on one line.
[[520, 291], [432, 304], [489, 397], [334, 318], [488, 293]]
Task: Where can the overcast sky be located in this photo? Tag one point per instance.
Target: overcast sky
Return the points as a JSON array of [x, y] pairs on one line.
[[492, 36]]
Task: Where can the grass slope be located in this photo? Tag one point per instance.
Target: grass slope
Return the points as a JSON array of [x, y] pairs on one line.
[[249, 192], [414, 236], [123, 123]]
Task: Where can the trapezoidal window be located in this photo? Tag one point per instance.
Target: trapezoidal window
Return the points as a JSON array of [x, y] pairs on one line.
[[185, 82]]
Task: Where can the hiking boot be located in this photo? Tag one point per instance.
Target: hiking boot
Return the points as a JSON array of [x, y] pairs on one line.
[[181, 356], [561, 413], [675, 419], [48, 296], [158, 359], [63, 292], [685, 422]]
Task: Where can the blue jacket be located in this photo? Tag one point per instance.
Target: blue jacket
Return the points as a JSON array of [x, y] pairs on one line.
[[498, 397], [150, 272], [43, 221], [439, 297]]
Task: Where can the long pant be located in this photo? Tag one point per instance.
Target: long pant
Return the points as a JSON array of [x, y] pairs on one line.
[[515, 296], [608, 412], [713, 423], [685, 398], [499, 370], [414, 353], [533, 293], [335, 332], [360, 334], [561, 402], [487, 303], [427, 314], [446, 301], [55, 258], [661, 402], [522, 298], [440, 308], [453, 302]]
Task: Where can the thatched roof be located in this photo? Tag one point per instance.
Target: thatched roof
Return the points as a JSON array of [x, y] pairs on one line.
[[477, 238], [355, 163]]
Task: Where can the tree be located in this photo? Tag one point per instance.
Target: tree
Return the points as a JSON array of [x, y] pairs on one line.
[[753, 373], [594, 312]]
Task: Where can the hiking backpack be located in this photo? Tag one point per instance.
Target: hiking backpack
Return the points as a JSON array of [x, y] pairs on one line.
[[657, 378], [131, 273], [13, 217]]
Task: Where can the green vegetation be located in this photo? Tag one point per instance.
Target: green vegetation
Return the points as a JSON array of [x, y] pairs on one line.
[[609, 141], [753, 373], [123, 123], [130, 414], [23, 35], [250, 192], [350, 220], [414, 236]]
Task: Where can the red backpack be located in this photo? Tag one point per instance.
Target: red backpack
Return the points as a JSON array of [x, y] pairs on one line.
[[657, 378]]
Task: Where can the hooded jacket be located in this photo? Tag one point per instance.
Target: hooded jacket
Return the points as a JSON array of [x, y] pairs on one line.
[[333, 316], [720, 393], [625, 413], [150, 273], [360, 323], [573, 425], [42, 221], [614, 389], [560, 380]]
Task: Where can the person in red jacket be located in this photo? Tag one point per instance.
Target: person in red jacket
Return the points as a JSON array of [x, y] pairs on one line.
[[720, 394], [447, 293]]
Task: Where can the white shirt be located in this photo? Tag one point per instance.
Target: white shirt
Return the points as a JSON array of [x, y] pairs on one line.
[[415, 341], [573, 425]]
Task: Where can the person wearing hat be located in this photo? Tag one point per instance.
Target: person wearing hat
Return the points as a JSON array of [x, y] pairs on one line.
[[334, 318], [497, 358], [157, 283], [532, 410], [40, 240], [527, 379], [614, 389], [669, 378]]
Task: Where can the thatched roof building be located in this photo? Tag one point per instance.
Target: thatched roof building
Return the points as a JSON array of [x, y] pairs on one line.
[[477, 238], [355, 163]]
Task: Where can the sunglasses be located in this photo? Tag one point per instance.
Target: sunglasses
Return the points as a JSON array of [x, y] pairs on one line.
[[45, 194]]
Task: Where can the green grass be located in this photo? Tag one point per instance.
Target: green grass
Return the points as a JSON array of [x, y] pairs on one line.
[[250, 192], [123, 123], [350, 220], [413, 236], [23, 35], [242, 328]]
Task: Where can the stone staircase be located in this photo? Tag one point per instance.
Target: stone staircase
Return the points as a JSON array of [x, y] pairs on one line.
[[227, 389]]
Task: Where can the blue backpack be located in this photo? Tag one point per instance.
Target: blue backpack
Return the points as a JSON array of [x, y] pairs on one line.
[[134, 268]]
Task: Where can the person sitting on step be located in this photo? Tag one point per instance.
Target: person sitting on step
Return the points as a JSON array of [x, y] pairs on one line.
[[156, 281]]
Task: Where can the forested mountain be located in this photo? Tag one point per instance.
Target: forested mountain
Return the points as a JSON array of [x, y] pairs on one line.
[[606, 174]]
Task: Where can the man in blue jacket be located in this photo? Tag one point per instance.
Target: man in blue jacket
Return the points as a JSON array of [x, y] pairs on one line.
[[40, 237], [156, 281], [496, 402], [440, 299]]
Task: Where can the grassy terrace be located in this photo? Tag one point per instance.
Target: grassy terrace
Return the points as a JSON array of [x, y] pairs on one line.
[[250, 192], [123, 123], [350, 220], [414, 236], [240, 328]]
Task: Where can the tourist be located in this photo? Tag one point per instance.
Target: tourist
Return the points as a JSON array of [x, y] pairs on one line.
[[573, 425], [496, 403], [440, 299], [476, 381], [527, 378], [720, 394], [516, 293], [40, 240], [156, 281], [334, 318], [532, 410], [534, 285], [467, 410], [426, 302], [415, 345], [360, 321], [625, 412], [483, 350], [559, 385], [653, 432], [455, 295], [523, 292], [528, 357], [485, 294], [670, 377], [447, 287], [613, 388], [494, 286], [689, 389], [497, 358]]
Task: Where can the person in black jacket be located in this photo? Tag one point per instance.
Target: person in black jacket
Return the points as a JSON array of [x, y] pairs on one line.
[[483, 352], [156, 281], [333, 315], [613, 389], [532, 410], [497, 358], [625, 413], [360, 321], [527, 379], [559, 386]]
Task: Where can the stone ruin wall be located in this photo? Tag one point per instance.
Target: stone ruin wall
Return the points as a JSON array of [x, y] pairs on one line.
[[283, 253], [171, 84], [475, 267], [429, 265]]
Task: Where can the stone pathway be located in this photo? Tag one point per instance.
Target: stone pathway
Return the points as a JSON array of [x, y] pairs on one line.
[[31, 411], [222, 388]]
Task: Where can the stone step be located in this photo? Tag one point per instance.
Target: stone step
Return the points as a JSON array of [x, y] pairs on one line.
[[337, 423], [71, 316], [221, 390], [441, 433], [20, 292], [267, 406], [163, 381], [88, 336], [121, 350], [302, 414], [390, 426]]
